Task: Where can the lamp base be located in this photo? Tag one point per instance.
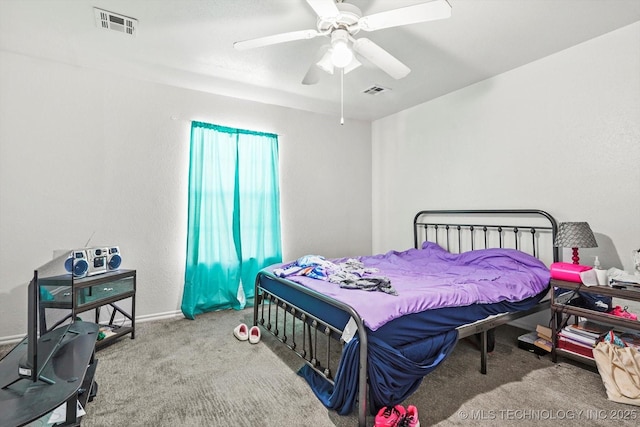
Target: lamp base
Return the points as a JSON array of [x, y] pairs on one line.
[[575, 257]]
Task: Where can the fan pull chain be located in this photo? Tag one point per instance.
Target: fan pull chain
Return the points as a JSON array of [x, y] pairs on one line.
[[341, 96]]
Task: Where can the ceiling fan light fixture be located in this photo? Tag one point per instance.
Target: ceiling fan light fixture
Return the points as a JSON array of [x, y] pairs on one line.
[[341, 53], [352, 65], [326, 62]]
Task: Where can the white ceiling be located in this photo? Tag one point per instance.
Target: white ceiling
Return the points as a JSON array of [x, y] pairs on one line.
[[189, 43]]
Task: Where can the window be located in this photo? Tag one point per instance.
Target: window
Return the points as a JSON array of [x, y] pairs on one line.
[[234, 216]]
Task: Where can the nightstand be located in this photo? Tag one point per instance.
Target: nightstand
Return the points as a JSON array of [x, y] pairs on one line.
[[92, 293], [561, 311]]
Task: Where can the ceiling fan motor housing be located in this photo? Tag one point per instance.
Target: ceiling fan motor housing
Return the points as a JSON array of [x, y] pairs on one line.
[[346, 20]]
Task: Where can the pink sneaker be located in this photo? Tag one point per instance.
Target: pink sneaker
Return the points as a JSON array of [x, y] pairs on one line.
[[411, 418], [390, 416], [622, 312]]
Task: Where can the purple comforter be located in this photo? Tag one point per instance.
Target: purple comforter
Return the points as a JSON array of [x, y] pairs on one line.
[[432, 278]]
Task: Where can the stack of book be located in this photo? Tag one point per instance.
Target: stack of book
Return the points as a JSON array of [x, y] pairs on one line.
[[543, 340], [580, 338]]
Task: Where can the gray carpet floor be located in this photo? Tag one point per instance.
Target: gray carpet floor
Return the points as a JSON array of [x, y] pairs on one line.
[[178, 372]]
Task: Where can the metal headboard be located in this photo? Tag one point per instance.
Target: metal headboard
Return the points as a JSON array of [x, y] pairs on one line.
[[531, 231]]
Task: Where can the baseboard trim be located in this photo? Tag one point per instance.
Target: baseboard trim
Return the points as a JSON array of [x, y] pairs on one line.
[[14, 339], [159, 316]]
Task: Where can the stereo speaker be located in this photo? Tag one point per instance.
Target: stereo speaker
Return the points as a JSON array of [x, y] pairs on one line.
[[77, 263], [114, 259]]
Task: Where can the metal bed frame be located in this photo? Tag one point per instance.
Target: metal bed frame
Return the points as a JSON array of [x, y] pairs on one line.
[[454, 230]]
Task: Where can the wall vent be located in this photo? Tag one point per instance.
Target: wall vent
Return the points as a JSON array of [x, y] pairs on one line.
[[375, 89], [113, 21]]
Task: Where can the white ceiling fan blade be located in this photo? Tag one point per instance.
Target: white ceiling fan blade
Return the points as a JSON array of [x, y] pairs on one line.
[[381, 58], [430, 11], [275, 39], [324, 8]]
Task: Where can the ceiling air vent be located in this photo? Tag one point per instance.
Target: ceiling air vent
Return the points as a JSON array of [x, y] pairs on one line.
[[113, 21], [375, 89]]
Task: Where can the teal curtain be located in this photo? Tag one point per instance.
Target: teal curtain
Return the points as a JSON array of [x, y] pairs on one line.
[[233, 216]]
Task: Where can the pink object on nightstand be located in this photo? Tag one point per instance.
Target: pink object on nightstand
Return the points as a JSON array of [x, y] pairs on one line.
[[568, 272]]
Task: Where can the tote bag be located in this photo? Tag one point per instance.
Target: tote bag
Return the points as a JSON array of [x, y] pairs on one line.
[[619, 368]]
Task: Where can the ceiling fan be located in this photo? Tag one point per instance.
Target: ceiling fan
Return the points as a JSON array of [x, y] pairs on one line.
[[341, 22]]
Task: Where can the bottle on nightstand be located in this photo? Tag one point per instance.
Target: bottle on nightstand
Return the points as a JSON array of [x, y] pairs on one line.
[[601, 274]]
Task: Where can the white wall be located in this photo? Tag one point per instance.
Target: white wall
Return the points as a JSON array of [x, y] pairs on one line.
[[84, 152], [561, 134]]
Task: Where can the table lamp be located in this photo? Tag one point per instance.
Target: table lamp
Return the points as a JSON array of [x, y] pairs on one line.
[[575, 235]]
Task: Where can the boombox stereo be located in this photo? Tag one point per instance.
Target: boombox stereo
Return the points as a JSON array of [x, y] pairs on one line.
[[92, 261]]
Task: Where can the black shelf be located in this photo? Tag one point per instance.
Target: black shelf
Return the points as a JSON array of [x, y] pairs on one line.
[[90, 293]]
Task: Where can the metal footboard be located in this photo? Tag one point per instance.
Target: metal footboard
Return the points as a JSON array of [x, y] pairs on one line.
[[280, 316]]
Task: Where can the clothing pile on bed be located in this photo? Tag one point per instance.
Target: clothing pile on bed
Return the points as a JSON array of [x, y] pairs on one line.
[[350, 274]]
